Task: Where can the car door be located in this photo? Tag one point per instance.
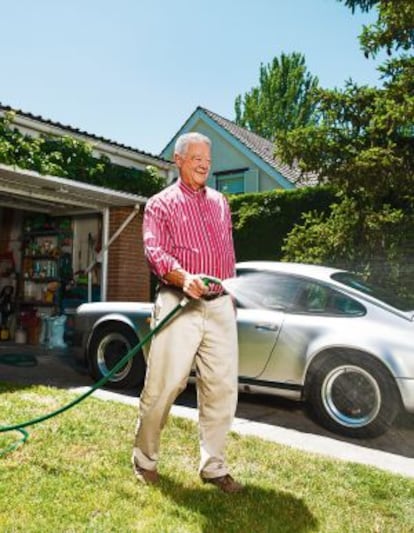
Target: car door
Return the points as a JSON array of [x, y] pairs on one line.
[[261, 302], [258, 331]]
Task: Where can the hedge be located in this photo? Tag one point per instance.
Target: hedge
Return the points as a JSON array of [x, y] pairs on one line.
[[261, 221]]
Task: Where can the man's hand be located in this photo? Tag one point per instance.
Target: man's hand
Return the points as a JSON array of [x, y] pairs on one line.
[[194, 286]]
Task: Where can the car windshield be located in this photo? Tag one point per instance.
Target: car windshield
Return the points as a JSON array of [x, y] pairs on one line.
[[380, 293]]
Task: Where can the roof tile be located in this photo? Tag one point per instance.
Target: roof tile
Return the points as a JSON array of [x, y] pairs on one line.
[[77, 131]]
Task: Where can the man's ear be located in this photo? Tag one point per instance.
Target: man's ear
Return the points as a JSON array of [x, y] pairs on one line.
[[178, 160]]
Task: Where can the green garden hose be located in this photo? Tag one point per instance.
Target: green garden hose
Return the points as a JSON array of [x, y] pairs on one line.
[[21, 359], [21, 425]]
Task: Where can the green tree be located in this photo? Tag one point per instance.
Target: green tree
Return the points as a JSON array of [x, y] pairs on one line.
[[364, 142], [394, 28], [282, 100], [364, 146]]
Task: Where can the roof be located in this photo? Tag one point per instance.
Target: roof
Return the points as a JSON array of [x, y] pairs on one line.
[[30, 191], [259, 145], [77, 131]]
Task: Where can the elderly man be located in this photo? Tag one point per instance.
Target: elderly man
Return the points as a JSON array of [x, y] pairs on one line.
[[188, 234]]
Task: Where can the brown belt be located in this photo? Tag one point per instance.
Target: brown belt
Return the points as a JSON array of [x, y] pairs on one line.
[[208, 297]]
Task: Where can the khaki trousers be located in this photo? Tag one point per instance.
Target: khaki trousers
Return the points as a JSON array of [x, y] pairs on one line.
[[204, 333]]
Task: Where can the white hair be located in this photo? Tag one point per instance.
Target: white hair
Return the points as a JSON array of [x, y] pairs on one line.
[[185, 139]]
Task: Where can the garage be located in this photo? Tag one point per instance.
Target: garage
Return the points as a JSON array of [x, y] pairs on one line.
[[63, 242]]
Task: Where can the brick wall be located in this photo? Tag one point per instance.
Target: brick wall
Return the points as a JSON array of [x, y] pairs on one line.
[[128, 273]]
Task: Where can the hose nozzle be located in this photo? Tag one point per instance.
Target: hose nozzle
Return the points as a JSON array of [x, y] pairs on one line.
[[210, 279]]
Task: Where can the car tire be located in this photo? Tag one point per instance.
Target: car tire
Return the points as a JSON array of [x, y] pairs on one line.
[[108, 345], [353, 395]]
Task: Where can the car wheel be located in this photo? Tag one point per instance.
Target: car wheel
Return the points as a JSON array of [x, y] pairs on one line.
[[109, 345], [353, 395]]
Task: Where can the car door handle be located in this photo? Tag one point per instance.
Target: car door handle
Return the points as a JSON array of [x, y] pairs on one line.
[[268, 326]]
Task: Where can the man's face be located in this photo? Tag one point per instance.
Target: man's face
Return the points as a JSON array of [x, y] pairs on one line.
[[194, 165]]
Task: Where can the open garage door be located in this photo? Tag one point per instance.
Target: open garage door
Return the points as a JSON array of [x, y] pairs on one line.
[[32, 192]]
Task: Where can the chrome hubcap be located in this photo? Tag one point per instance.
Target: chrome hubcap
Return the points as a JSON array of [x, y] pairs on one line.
[[351, 396], [111, 350]]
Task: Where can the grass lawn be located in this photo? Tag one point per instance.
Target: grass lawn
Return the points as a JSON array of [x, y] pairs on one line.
[[74, 475]]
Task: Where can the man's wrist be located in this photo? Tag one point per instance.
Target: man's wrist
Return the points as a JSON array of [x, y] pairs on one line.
[[176, 277], [183, 275]]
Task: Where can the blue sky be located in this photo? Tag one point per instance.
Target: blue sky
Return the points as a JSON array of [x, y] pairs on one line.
[[134, 70]]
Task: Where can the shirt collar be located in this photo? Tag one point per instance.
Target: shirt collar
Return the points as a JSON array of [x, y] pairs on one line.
[[189, 191]]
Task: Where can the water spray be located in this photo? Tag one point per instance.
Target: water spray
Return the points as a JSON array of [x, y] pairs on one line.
[[248, 289]]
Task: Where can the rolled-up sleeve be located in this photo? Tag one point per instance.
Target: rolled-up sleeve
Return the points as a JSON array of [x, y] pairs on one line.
[[158, 244]]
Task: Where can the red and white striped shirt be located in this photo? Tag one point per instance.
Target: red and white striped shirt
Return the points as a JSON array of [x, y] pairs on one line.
[[189, 229]]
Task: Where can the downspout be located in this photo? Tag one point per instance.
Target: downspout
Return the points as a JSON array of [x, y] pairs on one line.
[[104, 258]]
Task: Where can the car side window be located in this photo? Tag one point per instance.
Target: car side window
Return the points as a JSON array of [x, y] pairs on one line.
[[340, 304], [282, 293], [266, 290], [313, 298], [316, 298]]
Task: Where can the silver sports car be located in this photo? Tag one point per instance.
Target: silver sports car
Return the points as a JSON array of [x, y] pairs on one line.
[[306, 332]]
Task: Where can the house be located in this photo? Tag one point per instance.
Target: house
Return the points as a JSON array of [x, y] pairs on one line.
[[242, 161], [51, 226]]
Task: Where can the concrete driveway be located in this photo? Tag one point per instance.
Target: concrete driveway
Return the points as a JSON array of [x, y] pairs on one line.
[[270, 418]]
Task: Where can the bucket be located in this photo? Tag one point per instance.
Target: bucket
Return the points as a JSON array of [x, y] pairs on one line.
[[20, 336]]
